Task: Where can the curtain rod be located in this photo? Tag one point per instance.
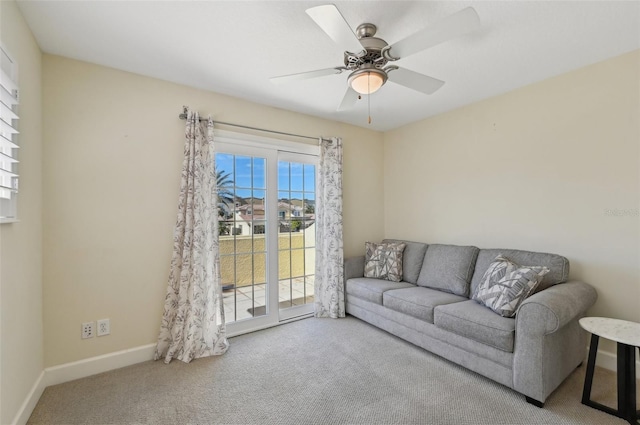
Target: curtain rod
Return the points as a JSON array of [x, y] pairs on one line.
[[184, 117]]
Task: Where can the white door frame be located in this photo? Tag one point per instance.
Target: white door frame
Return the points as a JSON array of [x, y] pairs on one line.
[[272, 150]]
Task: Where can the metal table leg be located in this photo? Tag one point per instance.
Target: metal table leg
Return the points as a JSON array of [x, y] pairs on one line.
[[626, 379]]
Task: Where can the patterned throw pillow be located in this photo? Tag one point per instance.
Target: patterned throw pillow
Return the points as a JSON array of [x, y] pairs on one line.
[[505, 285], [384, 260]]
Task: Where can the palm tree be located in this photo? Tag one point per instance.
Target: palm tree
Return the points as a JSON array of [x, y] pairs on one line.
[[226, 199]]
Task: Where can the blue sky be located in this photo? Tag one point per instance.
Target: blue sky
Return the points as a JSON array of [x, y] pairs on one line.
[[295, 180]]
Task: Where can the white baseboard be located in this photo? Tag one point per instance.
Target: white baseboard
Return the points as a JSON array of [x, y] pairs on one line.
[[80, 369], [30, 402], [608, 360], [94, 365]]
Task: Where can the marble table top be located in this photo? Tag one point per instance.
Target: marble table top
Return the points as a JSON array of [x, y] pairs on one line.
[[614, 329]]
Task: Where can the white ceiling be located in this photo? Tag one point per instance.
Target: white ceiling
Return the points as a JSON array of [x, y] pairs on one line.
[[233, 47]]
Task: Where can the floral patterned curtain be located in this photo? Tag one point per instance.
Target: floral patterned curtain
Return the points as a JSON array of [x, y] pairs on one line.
[[193, 319], [329, 279]]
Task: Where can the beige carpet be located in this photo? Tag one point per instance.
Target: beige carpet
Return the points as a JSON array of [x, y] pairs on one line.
[[314, 371]]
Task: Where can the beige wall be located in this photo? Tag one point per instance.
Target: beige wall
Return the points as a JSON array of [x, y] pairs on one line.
[[21, 243], [113, 148], [537, 168]]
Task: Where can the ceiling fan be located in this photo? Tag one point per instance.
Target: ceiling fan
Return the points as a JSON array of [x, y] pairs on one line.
[[367, 57]]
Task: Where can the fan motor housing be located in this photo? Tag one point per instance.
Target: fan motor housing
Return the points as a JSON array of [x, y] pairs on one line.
[[372, 55]]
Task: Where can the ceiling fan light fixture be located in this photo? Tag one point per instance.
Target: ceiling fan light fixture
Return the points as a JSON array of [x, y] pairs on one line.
[[367, 81]]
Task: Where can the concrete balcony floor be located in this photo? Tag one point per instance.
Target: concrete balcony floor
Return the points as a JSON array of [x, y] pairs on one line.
[[249, 301]]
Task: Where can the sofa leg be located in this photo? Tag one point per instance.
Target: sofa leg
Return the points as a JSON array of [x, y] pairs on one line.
[[535, 402]]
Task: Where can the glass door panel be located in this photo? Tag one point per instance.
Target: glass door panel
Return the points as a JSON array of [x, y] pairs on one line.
[[296, 236], [242, 197]]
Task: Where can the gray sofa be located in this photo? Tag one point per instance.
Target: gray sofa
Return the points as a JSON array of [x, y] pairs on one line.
[[531, 353]]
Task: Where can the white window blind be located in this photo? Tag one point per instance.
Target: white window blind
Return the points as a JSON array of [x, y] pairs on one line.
[[8, 138]]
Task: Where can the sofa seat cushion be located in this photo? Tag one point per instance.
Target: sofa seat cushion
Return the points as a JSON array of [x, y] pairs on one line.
[[475, 321], [418, 302], [448, 268], [371, 289]]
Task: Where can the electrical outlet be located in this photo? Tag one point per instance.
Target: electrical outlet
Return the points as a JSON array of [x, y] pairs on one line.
[[88, 329], [104, 327]]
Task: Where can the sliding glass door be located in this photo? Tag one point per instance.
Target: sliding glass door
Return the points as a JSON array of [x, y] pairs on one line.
[[267, 234]]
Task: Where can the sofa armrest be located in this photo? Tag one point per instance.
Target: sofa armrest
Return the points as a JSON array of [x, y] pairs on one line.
[[353, 267], [549, 310], [550, 343]]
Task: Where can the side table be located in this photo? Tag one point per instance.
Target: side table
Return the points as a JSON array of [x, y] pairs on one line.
[[627, 335]]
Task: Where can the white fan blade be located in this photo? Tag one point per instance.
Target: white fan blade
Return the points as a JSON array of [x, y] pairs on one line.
[[415, 81], [450, 27], [349, 99], [331, 21], [305, 75]]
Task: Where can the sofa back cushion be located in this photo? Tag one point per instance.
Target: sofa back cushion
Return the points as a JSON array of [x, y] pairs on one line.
[[558, 265], [412, 261], [448, 268]]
